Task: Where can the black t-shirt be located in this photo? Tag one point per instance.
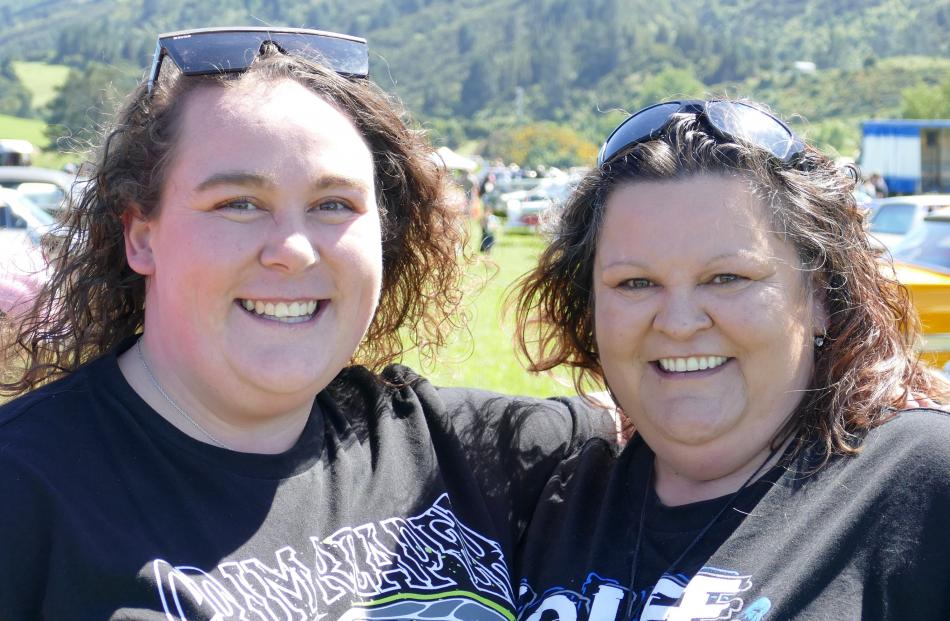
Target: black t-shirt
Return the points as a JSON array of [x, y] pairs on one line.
[[399, 500], [678, 540], [863, 537]]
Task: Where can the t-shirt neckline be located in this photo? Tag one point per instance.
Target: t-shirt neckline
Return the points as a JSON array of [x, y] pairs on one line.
[[299, 458]]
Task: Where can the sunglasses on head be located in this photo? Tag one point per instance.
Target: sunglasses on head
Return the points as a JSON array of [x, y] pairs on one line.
[[728, 120], [206, 51]]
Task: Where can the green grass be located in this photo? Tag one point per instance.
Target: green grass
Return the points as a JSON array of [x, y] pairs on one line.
[[34, 131], [486, 358], [24, 129], [41, 80]]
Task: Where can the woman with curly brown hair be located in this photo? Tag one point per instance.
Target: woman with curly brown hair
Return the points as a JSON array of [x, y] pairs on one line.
[[208, 431], [713, 273]]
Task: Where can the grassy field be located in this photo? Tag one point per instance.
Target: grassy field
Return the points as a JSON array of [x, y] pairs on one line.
[[33, 130], [485, 358], [23, 129], [41, 80]]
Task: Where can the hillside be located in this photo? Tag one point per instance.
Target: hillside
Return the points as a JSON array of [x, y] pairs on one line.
[[469, 67]]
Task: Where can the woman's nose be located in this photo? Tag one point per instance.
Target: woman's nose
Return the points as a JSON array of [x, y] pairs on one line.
[[289, 247], [681, 314]]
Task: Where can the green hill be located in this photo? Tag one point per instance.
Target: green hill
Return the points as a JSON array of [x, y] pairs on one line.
[[467, 68], [41, 80]]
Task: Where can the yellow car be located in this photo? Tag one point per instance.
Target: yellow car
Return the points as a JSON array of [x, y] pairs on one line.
[[922, 263]]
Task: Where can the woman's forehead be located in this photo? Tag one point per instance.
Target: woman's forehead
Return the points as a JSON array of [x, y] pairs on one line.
[[703, 197], [274, 127], [700, 215]]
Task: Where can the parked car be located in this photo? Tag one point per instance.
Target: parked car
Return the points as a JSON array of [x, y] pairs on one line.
[[46, 187], [922, 263], [15, 152], [893, 218], [22, 263], [525, 210], [497, 199]]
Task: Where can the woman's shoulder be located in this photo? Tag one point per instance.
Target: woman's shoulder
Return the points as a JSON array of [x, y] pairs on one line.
[[916, 439], [563, 423], [40, 408], [570, 420], [921, 428], [47, 437], [909, 454]]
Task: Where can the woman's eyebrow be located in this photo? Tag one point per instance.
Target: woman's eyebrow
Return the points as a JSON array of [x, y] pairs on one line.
[[338, 181], [254, 179], [237, 177]]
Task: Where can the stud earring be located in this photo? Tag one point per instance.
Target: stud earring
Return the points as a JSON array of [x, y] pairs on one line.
[[819, 341]]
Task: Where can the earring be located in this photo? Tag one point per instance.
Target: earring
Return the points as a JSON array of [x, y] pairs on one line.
[[819, 341]]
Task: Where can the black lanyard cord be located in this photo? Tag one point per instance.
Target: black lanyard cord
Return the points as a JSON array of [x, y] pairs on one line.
[[634, 566]]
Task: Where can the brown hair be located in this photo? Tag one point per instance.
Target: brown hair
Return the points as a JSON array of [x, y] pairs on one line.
[[868, 362], [94, 300]]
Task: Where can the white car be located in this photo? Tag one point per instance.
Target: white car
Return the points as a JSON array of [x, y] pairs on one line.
[[46, 187], [23, 268], [527, 209], [892, 219]]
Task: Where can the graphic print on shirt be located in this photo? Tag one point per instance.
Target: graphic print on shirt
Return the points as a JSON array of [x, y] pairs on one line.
[[710, 594], [429, 566]]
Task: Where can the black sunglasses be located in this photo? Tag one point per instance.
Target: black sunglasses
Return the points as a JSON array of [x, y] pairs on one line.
[[729, 120], [232, 50]]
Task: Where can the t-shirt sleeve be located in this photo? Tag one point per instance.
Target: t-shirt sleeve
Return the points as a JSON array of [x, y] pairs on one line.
[[24, 538], [515, 444], [911, 462]]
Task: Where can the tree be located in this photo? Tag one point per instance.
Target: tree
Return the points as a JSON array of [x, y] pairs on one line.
[[85, 100], [15, 99], [478, 88], [554, 71], [927, 102], [835, 136], [668, 84], [541, 144], [466, 38]]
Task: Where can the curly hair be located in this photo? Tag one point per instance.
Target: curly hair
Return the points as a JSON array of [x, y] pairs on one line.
[[94, 300], [868, 364]]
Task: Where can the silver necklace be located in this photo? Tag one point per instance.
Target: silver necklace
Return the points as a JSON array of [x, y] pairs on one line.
[[151, 376]]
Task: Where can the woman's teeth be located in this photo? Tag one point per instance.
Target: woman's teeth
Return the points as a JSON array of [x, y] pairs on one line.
[[282, 311], [693, 363]]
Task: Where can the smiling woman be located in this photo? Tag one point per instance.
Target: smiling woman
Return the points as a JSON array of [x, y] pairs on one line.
[[208, 431], [245, 220], [734, 297], [713, 272]]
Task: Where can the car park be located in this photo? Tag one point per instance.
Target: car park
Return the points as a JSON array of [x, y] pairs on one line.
[[922, 264], [23, 267], [496, 200], [15, 152], [894, 218], [21, 219], [526, 210], [46, 187]]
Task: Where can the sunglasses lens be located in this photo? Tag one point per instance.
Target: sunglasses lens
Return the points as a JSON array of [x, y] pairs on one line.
[[213, 52], [753, 126], [216, 52], [636, 129], [342, 55]]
